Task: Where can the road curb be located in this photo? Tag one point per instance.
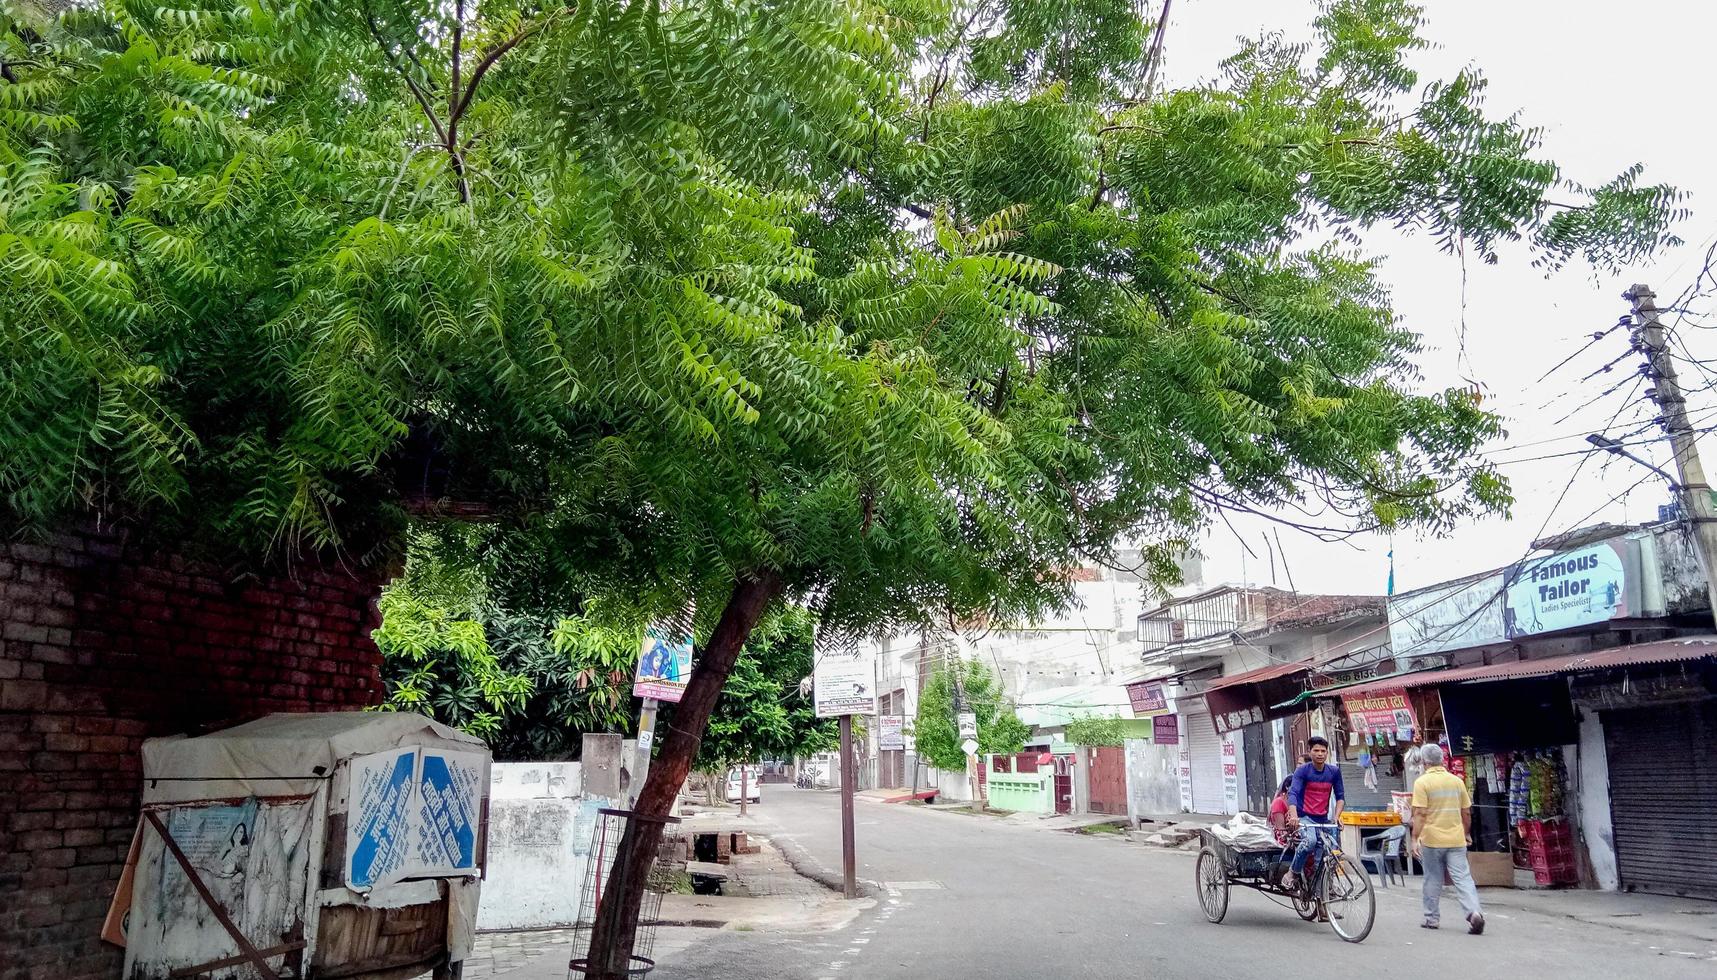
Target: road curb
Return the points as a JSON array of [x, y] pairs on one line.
[[806, 866]]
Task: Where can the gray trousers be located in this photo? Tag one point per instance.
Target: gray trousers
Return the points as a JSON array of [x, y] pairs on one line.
[[1435, 860]]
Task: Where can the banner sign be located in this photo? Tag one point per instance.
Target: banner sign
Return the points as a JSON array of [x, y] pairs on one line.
[[414, 814], [891, 732], [845, 682], [1583, 586], [450, 802], [1165, 729], [1148, 698], [664, 668], [1381, 711], [1573, 588], [378, 831]]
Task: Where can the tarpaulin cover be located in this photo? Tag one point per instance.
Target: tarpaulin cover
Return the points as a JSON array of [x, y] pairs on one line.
[[282, 754]]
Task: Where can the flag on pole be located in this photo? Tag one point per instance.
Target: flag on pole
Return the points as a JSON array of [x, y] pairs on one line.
[[1391, 571]]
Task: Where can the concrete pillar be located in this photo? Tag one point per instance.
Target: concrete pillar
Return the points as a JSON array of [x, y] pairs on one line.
[[603, 766]]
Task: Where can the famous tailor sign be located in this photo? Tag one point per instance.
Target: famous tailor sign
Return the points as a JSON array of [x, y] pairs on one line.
[[1580, 587], [1568, 589]]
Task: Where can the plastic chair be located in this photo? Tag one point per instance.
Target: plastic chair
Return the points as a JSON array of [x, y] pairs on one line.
[[1381, 854]]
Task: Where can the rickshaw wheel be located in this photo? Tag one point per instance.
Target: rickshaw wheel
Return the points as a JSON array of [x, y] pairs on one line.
[[1212, 884], [1348, 899]]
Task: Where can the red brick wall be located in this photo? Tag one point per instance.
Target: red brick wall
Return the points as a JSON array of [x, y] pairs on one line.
[[102, 646]]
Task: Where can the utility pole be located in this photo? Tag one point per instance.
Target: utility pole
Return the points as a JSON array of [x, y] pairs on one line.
[[960, 714], [849, 775], [1652, 337]]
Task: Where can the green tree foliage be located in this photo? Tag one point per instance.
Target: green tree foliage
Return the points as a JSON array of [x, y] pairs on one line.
[[936, 732], [899, 308], [1095, 731], [911, 304], [524, 679], [762, 714]]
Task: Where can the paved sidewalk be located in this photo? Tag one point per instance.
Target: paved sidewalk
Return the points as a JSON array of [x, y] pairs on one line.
[[763, 894]]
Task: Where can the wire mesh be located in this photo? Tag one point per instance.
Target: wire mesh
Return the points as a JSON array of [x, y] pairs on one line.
[[607, 849]]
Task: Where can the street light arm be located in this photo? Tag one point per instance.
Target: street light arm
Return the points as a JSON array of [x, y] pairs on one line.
[[1611, 446]]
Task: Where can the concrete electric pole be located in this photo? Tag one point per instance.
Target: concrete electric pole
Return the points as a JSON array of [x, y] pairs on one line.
[[1652, 338]]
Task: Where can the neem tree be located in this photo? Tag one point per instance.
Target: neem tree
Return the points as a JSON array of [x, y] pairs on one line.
[[897, 309]]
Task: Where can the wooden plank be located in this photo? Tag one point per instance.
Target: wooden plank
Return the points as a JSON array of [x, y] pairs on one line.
[[251, 954]]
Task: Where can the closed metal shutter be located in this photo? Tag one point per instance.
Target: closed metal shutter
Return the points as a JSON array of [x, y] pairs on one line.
[[1206, 746], [1663, 792]]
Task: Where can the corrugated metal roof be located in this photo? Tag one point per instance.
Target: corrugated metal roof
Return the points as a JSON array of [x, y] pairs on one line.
[[1659, 652], [1261, 674], [1405, 679]]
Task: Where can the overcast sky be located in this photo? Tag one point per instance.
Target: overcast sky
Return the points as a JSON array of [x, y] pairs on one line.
[[1610, 85]]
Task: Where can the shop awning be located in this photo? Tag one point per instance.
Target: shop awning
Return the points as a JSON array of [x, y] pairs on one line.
[[1638, 654], [1271, 672], [1410, 678], [1239, 700]]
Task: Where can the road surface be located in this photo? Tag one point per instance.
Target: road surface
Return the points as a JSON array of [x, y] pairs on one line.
[[971, 896]]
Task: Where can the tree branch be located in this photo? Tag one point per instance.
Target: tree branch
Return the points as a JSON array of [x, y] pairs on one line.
[[494, 54], [416, 89]]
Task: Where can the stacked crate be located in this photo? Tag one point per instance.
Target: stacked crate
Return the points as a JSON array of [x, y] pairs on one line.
[[1550, 847]]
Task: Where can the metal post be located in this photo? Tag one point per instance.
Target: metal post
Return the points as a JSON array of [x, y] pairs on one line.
[[849, 775], [1696, 501], [744, 782], [641, 755]]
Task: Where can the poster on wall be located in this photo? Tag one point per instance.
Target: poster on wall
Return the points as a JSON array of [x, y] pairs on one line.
[[449, 812], [251, 857], [1183, 768], [664, 668], [1379, 711], [379, 818], [891, 732], [1230, 774], [845, 682], [1568, 589]]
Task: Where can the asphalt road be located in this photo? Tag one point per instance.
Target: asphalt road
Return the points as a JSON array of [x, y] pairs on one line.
[[970, 896]]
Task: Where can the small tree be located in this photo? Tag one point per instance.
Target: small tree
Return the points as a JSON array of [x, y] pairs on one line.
[[1095, 731], [936, 732]]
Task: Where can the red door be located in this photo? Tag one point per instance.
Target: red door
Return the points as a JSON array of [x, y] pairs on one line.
[[1108, 776], [1064, 784]]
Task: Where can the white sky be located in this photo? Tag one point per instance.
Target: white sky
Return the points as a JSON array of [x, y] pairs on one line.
[[1610, 85]]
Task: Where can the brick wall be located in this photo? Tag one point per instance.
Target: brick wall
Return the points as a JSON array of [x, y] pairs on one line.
[[102, 646]]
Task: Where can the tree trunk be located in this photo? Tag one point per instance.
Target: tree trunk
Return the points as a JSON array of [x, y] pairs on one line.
[[616, 926]]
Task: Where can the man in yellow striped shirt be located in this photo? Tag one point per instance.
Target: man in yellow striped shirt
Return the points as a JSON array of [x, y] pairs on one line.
[[1442, 831]]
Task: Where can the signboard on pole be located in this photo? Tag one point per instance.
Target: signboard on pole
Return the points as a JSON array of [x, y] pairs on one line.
[[891, 732], [1148, 698], [845, 681], [970, 746], [968, 724], [1165, 729], [664, 668]]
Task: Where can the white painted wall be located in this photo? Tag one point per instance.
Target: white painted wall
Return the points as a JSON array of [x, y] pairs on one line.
[[540, 831], [1594, 789]]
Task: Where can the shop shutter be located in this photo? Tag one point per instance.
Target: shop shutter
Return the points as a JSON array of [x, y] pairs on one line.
[[1206, 746], [1663, 792]]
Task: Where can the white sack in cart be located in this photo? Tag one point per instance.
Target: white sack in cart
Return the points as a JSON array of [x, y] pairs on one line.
[[1245, 832]]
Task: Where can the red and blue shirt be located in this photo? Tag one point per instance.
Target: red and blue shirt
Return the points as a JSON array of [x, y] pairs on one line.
[[1313, 789]]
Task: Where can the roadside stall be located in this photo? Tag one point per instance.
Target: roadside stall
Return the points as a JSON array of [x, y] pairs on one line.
[[306, 845]]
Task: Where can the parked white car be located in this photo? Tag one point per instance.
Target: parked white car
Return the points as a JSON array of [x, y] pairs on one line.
[[753, 784]]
